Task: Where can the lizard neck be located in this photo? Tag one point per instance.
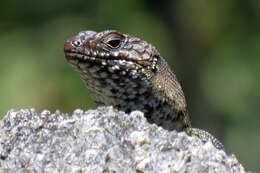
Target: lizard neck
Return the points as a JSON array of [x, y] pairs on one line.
[[166, 86], [167, 89]]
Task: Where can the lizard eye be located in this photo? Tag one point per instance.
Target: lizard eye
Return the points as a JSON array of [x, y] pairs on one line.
[[113, 43], [113, 39]]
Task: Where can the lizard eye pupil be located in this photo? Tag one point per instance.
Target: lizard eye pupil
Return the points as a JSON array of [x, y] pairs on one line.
[[114, 43]]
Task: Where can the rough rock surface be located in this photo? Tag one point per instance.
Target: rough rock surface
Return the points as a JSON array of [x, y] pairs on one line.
[[102, 140]]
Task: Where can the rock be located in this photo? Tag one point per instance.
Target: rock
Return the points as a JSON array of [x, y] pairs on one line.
[[102, 140]]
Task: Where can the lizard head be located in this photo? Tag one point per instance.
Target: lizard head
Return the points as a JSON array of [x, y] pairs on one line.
[[119, 52]]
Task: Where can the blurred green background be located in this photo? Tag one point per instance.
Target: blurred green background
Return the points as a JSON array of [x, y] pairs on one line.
[[213, 47]]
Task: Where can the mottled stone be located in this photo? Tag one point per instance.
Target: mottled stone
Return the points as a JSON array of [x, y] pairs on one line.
[[102, 140]]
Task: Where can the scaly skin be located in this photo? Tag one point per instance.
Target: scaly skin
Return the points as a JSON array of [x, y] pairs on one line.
[[129, 74]]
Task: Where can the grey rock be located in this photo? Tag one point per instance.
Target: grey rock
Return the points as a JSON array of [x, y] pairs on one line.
[[102, 140]]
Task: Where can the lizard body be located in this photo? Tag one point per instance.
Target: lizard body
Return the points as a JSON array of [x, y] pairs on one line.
[[130, 74]]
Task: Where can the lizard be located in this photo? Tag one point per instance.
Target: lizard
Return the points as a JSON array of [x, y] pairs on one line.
[[130, 74]]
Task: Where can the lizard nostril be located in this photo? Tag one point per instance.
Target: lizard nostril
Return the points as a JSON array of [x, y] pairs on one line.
[[76, 43]]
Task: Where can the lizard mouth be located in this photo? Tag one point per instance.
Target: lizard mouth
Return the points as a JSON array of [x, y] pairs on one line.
[[84, 58], [104, 59]]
